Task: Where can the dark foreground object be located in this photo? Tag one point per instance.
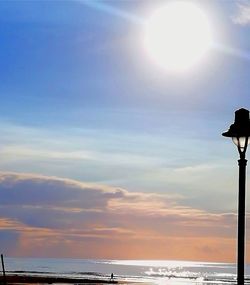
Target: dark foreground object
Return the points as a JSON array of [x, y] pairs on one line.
[[10, 279]]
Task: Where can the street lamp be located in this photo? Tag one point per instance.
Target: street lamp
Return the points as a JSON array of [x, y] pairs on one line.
[[239, 131]]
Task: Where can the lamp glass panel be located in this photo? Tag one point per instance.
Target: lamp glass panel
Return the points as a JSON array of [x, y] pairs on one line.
[[240, 142]]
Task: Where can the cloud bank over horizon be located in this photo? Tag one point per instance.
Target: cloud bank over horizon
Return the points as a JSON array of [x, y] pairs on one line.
[[46, 216]]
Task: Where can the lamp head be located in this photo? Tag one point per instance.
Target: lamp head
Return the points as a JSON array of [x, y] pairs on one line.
[[239, 131]]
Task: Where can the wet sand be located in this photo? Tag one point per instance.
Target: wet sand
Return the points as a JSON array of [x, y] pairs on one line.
[[25, 279]]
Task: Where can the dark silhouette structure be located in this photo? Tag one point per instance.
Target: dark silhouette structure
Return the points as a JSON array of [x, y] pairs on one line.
[[239, 131], [3, 268]]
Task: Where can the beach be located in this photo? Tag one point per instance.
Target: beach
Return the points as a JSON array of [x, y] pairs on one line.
[[97, 271], [28, 279]]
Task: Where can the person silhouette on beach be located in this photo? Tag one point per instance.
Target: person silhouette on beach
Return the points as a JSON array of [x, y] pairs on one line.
[[112, 277]]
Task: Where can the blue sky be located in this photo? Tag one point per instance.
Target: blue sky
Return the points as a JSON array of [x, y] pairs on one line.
[[80, 100]]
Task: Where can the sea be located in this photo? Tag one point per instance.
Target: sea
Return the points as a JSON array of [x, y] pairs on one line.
[[146, 271]]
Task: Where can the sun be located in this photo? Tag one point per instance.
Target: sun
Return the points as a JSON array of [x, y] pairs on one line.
[[178, 35]]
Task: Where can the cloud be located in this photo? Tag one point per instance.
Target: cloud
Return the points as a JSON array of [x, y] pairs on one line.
[[242, 16], [56, 217]]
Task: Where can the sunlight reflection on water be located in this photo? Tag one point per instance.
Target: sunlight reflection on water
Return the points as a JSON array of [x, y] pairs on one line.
[[170, 263], [172, 272]]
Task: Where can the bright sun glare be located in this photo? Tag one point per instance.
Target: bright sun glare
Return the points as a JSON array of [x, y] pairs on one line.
[[178, 35]]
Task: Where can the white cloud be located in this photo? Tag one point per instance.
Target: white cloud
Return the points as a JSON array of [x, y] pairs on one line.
[[242, 16]]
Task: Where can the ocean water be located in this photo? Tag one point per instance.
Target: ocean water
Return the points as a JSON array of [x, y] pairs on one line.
[[150, 271]]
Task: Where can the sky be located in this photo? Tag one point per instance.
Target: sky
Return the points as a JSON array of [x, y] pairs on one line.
[[103, 154]]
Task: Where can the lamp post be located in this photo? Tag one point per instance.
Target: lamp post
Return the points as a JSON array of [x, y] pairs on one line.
[[239, 131]]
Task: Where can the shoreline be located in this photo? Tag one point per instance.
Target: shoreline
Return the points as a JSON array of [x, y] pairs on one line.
[[28, 279]]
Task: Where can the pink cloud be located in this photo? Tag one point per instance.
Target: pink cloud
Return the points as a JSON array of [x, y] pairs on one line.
[[60, 217]]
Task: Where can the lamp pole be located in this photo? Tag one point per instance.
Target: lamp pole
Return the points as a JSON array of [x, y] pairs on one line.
[[241, 220], [240, 133]]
